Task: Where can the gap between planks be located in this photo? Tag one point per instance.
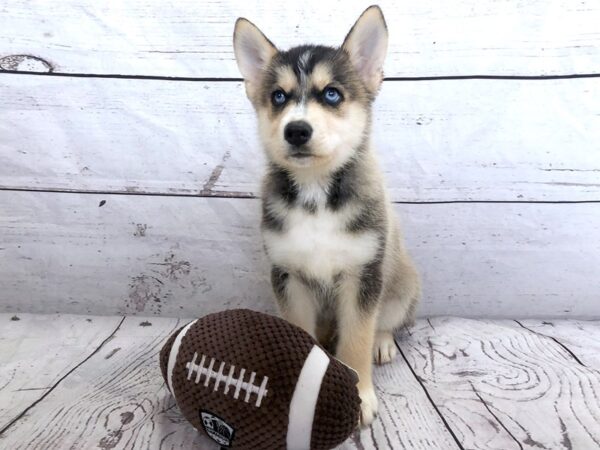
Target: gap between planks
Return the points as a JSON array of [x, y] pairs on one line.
[[420, 381], [194, 38], [564, 347], [61, 379], [52, 73], [429, 139], [207, 192]]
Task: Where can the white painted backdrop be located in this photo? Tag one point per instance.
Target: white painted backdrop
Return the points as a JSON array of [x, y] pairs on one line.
[[129, 164]]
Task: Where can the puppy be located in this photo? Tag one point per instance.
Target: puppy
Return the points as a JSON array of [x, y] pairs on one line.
[[339, 267]]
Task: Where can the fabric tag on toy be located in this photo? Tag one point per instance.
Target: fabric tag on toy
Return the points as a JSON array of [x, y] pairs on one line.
[[217, 429]]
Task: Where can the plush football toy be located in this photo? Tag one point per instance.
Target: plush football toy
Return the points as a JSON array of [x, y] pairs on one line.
[[254, 381]]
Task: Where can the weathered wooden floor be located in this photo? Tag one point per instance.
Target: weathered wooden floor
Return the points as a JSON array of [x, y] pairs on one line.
[[77, 382]]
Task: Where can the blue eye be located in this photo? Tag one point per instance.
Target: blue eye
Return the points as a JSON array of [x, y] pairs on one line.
[[278, 97], [332, 96]]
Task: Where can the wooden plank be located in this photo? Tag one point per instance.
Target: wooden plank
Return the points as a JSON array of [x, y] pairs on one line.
[[114, 254], [579, 337], [114, 135], [37, 351], [506, 140], [191, 38], [131, 254], [111, 401], [117, 399], [496, 384], [406, 418], [501, 386]]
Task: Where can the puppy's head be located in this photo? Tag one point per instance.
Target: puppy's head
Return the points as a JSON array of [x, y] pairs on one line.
[[313, 102]]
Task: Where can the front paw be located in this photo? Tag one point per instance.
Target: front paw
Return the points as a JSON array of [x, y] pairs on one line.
[[368, 406], [384, 348]]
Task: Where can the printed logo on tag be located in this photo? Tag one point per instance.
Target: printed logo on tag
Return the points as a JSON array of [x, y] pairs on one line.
[[217, 428]]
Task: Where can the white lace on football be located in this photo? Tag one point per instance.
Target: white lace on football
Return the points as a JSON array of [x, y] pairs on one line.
[[229, 381]]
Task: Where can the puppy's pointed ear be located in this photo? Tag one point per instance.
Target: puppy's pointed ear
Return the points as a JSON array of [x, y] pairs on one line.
[[252, 49], [366, 43]]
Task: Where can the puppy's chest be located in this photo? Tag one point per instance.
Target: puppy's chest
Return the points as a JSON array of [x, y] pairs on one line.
[[317, 243]]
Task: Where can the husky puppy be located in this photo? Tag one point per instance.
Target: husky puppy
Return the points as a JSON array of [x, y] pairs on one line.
[[339, 267]]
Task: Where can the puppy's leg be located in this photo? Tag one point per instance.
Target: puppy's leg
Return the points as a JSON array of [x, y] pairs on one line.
[[357, 318], [399, 302], [296, 302]]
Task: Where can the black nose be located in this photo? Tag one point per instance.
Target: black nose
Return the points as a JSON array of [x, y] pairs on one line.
[[297, 133]]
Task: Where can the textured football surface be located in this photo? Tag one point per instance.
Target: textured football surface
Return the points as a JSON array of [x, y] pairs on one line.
[[254, 381]]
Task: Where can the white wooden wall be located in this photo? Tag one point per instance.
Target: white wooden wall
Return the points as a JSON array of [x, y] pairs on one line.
[[129, 163]]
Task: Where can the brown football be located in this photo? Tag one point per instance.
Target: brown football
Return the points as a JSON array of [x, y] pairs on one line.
[[254, 381]]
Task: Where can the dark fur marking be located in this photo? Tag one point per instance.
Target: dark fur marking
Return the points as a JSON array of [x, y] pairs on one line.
[[310, 207], [338, 61], [279, 279], [332, 343], [371, 284], [327, 326], [323, 292], [311, 283], [317, 53], [281, 184], [270, 220], [342, 71], [342, 187], [370, 217]]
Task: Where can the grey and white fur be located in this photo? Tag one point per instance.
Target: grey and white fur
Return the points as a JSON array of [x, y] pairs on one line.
[[339, 267]]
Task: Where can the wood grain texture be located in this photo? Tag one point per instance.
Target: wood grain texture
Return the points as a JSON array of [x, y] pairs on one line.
[[138, 254], [191, 38], [504, 141], [406, 418], [115, 254], [579, 337], [112, 401], [37, 351], [495, 384], [501, 386]]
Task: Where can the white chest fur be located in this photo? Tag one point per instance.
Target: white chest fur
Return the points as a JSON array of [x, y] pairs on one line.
[[318, 245]]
